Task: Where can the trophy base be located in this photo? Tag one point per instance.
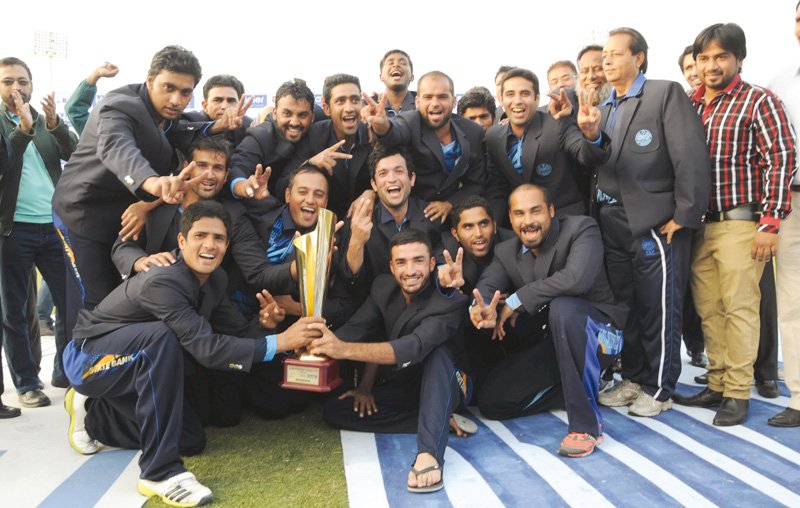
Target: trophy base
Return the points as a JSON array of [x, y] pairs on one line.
[[311, 376]]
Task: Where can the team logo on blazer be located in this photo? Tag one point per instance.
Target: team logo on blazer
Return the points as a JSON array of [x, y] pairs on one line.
[[544, 169], [644, 137]]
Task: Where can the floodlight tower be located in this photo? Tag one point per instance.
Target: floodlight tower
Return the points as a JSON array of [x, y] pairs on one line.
[[52, 45]]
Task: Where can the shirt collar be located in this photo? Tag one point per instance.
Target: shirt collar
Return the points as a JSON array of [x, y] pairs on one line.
[[286, 217], [386, 216], [634, 91], [734, 84]]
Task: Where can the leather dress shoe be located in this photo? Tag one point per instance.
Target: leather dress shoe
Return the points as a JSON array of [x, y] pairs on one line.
[[702, 379], [768, 389], [8, 411], [731, 412], [787, 418], [706, 398]]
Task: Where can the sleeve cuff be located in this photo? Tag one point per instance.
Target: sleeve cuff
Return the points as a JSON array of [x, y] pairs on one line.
[[513, 301], [769, 224], [599, 139], [272, 347], [233, 184]]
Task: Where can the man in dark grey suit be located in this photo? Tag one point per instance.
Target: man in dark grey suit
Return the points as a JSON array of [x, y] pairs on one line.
[[128, 354], [447, 149], [407, 323], [552, 272], [651, 194]]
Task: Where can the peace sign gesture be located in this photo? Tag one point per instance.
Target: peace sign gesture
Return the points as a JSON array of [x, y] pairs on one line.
[[270, 314], [588, 116], [328, 158], [482, 315], [559, 105], [233, 118], [255, 186], [172, 189], [374, 113], [451, 273]]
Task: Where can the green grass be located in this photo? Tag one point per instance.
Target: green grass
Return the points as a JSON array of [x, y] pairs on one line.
[[291, 462]]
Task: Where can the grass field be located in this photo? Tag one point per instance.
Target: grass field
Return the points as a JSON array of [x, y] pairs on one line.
[[291, 462]]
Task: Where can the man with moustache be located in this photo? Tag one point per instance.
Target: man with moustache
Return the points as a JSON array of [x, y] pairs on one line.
[[753, 153], [223, 94], [689, 70], [447, 150], [397, 73], [477, 104], [413, 332], [562, 74], [551, 270], [590, 73]]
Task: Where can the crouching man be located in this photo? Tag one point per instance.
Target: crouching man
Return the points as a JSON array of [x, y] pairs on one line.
[[128, 354], [553, 273], [405, 322]]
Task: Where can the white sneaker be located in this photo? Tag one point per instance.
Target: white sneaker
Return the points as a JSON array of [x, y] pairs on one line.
[[78, 438], [646, 405], [180, 490], [621, 394]]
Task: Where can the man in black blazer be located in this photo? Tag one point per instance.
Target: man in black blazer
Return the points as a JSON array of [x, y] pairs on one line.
[[546, 149], [447, 149], [552, 273], [373, 224], [408, 324], [223, 94], [127, 151], [339, 145], [397, 73], [127, 354], [651, 194]]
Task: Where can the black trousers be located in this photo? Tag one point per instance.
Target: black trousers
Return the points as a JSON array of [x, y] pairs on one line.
[[650, 276], [141, 364], [418, 399], [766, 365]]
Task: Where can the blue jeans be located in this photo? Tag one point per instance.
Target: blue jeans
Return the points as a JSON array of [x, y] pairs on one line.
[[28, 245]]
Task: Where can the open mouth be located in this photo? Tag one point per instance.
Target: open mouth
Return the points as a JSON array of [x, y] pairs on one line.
[[207, 256], [394, 191], [350, 120], [530, 230], [396, 73], [308, 213], [480, 245]]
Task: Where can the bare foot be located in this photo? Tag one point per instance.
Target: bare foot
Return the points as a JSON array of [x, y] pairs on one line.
[[424, 460]]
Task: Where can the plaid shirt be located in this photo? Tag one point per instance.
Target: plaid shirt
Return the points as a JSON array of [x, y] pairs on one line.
[[752, 148]]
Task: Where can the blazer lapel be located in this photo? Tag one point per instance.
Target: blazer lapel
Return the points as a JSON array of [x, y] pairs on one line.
[[410, 310], [430, 140], [545, 258], [463, 161], [531, 147], [620, 130], [501, 156], [157, 227]]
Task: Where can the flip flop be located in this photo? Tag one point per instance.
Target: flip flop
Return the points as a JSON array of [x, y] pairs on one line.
[[430, 488], [465, 424]]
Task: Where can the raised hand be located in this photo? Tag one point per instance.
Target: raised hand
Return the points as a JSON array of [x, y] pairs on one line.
[[374, 113], [106, 70], [451, 273], [559, 105], [588, 116], [255, 186], [49, 108], [482, 315], [134, 218], [361, 222], [23, 111], [367, 194], [328, 158], [270, 313]]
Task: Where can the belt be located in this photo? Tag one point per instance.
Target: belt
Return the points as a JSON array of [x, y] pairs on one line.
[[745, 212]]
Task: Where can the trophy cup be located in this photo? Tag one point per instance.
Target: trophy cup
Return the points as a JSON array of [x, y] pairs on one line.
[[313, 252]]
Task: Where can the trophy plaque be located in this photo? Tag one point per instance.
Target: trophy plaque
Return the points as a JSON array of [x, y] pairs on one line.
[[313, 252]]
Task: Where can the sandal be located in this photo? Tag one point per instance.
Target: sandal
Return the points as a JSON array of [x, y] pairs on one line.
[[430, 488], [466, 425]]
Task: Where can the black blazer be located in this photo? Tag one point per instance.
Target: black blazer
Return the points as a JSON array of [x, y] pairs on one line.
[[160, 234], [121, 146], [471, 267], [433, 183], [670, 175], [413, 330], [350, 178], [235, 137], [551, 152], [570, 263], [172, 294]]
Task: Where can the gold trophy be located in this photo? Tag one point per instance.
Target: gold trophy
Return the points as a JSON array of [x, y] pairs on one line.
[[313, 252]]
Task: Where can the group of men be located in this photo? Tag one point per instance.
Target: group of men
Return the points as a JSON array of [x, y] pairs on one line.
[[503, 256]]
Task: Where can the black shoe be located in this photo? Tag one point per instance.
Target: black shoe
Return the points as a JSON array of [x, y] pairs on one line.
[[702, 379], [59, 382], [706, 398], [699, 359], [787, 418], [768, 389], [8, 412], [731, 412]]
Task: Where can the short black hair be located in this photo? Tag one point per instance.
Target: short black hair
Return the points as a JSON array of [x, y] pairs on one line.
[[307, 168], [12, 60], [223, 80], [335, 80], [298, 90], [436, 74], [210, 144], [502, 70], [638, 43], [531, 186], [205, 208], [477, 97], [411, 236], [178, 59], [586, 49], [686, 51], [562, 63], [381, 151], [518, 72], [729, 36], [400, 51], [469, 202]]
